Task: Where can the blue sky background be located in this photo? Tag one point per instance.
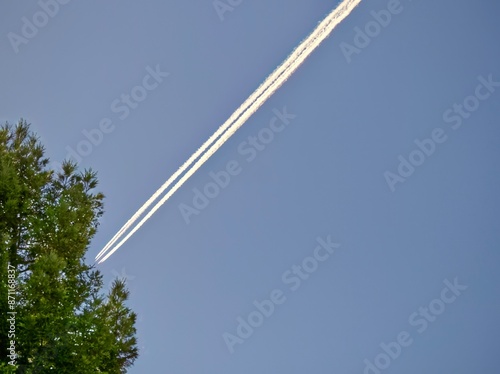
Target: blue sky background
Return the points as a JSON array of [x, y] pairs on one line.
[[323, 175]]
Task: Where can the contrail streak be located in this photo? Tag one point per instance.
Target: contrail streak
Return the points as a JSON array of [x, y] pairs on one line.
[[236, 120], [257, 93]]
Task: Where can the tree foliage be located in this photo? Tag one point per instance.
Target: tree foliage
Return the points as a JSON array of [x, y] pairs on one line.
[[63, 323]]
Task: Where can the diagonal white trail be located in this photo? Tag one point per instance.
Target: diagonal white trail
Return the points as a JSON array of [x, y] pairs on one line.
[[237, 119], [258, 92]]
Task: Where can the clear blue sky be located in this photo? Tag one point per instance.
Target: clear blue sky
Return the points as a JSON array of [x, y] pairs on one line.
[[322, 175]]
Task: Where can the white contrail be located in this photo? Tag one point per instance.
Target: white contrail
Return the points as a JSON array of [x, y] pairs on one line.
[[257, 93], [239, 117]]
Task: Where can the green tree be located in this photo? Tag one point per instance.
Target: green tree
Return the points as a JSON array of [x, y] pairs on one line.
[[63, 322]]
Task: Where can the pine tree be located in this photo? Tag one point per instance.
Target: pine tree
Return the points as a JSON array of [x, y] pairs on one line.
[[63, 323]]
